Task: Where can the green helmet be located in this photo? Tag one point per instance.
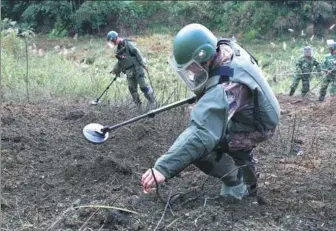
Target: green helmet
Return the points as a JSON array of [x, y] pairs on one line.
[[194, 41], [193, 45], [112, 36]]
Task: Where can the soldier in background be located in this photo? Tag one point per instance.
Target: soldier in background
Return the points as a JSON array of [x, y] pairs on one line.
[[304, 67], [132, 63], [329, 65]]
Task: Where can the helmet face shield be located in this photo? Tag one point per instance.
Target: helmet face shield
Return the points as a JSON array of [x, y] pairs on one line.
[[192, 73]]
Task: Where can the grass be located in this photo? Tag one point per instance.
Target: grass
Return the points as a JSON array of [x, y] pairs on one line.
[[55, 76]]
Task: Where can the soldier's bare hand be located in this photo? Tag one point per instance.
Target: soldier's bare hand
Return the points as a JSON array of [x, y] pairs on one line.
[[329, 72], [148, 182]]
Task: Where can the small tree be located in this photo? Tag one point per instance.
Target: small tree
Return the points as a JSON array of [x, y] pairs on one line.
[[27, 36], [11, 28]]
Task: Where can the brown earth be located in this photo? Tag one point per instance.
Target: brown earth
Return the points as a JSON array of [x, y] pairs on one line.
[[48, 168]]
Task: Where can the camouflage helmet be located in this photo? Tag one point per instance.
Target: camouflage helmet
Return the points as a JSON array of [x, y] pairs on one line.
[[194, 41], [112, 36], [331, 44]]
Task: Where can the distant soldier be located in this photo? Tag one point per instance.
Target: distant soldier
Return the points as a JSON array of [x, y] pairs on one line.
[[304, 67], [329, 65], [130, 62]]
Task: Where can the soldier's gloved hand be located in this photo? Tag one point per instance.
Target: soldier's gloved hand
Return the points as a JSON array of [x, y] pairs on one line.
[[148, 182]]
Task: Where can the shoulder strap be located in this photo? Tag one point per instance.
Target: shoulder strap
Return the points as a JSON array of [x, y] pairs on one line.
[[225, 72], [126, 45]]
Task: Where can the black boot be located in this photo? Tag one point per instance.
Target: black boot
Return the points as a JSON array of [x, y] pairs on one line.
[[321, 98], [150, 95], [291, 92]]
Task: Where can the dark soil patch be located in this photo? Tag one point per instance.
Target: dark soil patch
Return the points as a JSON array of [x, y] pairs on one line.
[[48, 168]]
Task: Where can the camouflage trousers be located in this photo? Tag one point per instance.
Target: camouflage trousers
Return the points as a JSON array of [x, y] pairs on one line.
[[226, 161], [305, 84], [329, 79]]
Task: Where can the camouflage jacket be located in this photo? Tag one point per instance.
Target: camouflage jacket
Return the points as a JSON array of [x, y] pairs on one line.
[[305, 65], [328, 63]]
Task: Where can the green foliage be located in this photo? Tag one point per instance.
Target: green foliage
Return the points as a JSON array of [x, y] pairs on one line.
[[230, 17], [10, 37], [251, 34], [58, 76], [10, 43], [48, 15]]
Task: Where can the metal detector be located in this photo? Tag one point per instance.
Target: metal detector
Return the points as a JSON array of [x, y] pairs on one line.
[[311, 90], [150, 81], [95, 102], [98, 134]]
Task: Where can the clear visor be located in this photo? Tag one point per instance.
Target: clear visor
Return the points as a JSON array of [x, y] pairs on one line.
[[192, 73]]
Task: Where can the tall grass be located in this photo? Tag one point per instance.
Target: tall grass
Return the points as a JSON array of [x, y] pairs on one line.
[[55, 76]]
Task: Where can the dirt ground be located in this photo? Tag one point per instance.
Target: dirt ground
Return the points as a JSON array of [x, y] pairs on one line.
[[49, 169]]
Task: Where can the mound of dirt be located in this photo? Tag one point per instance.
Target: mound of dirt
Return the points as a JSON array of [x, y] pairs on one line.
[[100, 170]]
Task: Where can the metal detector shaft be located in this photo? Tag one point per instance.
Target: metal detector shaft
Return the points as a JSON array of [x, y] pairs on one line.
[[150, 114], [115, 78], [150, 81], [292, 73], [318, 83]]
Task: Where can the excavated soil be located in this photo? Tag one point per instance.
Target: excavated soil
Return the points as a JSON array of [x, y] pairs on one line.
[[49, 170]]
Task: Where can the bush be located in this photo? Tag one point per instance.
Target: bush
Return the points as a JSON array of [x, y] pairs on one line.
[[129, 17]]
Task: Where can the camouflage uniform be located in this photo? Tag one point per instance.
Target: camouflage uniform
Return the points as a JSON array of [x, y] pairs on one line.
[[328, 64], [131, 62], [303, 65]]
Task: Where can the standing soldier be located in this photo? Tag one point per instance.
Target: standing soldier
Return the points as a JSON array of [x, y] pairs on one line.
[[131, 63], [329, 65], [235, 111], [304, 67]]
